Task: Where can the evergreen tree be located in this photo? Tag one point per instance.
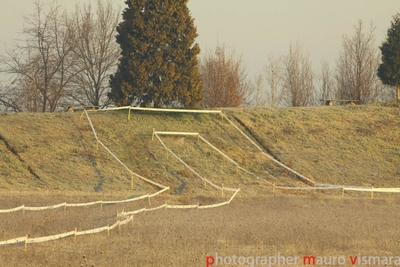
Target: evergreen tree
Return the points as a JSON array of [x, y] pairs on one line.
[[389, 69], [158, 64]]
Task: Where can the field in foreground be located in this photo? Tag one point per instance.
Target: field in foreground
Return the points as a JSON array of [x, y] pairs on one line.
[[46, 159], [262, 226]]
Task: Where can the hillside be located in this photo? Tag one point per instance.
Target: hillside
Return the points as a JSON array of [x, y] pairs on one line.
[[351, 145]]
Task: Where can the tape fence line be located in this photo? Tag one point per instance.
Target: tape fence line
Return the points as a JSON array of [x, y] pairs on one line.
[[13, 209], [232, 161], [128, 218], [166, 110], [191, 169], [116, 158], [373, 189], [77, 205], [267, 155]]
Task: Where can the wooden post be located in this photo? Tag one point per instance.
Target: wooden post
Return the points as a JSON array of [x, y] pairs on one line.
[[343, 191], [83, 112], [76, 229], [129, 113], [108, 230], [132, 182], [372, 192], [149, 201], [101, 205], [26, 243], [398, 93]]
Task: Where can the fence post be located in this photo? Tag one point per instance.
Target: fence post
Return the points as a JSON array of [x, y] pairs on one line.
[[108, 229], [129, 113], [26, 243], [76, 229], [372, 192], [343, 191], [132, 182]]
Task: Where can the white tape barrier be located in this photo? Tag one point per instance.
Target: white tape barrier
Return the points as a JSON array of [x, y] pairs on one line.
[[234, 162], [128, 218], [166, 206], [167, 110], [64, 205], [192, 170], [315, 186], [377, 190], [308, 188], [115, 157], [267, 155]]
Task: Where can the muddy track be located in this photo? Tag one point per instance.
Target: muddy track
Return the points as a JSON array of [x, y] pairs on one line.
[[15, 152]]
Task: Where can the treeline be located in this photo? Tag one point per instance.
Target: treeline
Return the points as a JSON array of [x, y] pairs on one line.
[[63, 59], [68, 59]]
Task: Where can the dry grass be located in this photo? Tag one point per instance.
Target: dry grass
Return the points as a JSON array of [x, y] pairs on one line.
[[262, 226], [47, 159]]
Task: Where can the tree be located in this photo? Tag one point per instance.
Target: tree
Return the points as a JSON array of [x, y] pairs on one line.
[[273, 75], [42, 68], [389, 69], [327, 81], [158, 64], [96, 51], [298, 82], [224, 79], [356, 71]]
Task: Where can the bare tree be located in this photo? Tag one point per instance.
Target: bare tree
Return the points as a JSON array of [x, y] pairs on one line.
[[224, 78], [42, 67], [258, 95], [297, 78], [96, 50], [326, 81], [273, 76], [356, 71]]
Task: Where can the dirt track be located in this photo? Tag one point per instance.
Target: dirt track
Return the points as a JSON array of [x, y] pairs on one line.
[[263, 226]]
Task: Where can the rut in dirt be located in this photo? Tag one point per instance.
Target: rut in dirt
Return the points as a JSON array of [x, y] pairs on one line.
[[14, 151], [260, 143]]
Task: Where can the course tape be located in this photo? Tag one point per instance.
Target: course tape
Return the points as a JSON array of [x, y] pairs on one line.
[[128, 218], [64, 205], [315, 186], [116, 158], [191, 169], [199, 111]]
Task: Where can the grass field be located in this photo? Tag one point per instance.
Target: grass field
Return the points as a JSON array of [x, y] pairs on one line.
[[46, 159]]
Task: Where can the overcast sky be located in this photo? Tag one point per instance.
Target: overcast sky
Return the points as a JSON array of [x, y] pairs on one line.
[[256, 28]]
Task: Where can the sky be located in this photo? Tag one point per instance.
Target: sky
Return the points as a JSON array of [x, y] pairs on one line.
[[255, 29]]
